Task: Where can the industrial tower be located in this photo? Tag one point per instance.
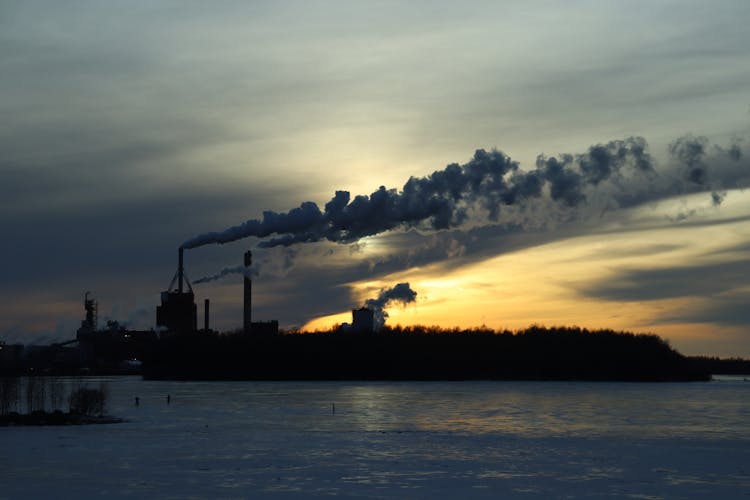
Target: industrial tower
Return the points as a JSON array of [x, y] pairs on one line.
[[247, 310], [178, 312]]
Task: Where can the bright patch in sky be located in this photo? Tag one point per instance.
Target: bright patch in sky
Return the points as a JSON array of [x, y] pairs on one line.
[[583, 280]]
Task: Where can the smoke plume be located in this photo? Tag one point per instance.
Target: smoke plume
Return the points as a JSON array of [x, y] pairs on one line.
[[275, 263], [444, 199], [401, 293], [250, 272], [616, 174], [691, 152]]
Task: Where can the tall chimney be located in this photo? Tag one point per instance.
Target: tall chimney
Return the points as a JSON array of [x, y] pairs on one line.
[[248, 299], [180, 271], [205, 315]]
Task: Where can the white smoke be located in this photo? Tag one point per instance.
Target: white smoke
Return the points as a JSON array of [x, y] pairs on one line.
[[401, 293]]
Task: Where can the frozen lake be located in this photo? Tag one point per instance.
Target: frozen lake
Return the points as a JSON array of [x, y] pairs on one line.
[[394, 439]]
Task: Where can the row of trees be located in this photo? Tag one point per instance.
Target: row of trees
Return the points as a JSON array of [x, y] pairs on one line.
[[425, 353], [726, 366], [50, 394]]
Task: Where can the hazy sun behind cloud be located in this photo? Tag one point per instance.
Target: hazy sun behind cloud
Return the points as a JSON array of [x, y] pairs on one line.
[[558, 283]]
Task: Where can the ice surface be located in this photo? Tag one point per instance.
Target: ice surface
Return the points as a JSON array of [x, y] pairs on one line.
[[394, 440]]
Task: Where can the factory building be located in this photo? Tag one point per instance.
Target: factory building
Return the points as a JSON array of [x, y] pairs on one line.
[[248, 325], [363, 320], [247, 300], [178, 312], [89, 323], [113, 350]]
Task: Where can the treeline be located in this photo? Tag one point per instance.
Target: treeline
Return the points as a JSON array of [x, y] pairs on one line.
[[723, 366], [424, 353]]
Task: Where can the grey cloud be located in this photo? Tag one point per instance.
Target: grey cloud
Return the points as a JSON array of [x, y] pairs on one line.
[[729, 309], [668, 283], [638, 249], [102, 243], [742, 248], [305, 294], [700, 223]]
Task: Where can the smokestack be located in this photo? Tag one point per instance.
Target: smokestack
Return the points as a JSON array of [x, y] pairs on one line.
[[248, 298], [180, 270], [205, 315]]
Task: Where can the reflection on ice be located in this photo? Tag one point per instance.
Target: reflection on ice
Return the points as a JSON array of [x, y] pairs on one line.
[[423, 440]]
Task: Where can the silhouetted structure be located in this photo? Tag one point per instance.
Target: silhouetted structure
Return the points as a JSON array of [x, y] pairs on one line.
[[111, 350], [205, 315], [89, 323], [247, 309], [178, 312], [363, 320], [424, 354], [248, 325], [85, 334]]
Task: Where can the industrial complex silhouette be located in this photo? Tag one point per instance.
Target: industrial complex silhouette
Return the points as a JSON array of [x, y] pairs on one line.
[[364, 349]]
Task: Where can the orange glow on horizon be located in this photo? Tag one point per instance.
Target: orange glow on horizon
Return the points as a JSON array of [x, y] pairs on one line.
[[546, 285]]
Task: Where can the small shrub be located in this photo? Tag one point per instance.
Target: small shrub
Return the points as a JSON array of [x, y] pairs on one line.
[[89, 402]]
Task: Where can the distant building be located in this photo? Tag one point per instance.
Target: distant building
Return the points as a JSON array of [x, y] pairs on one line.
[[363, 320], [178, 312], [248, 325]]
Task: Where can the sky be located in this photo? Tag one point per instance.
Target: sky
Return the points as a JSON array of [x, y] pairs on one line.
[[557, 163]]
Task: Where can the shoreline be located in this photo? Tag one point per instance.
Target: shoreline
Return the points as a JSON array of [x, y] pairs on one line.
[[55, 418]]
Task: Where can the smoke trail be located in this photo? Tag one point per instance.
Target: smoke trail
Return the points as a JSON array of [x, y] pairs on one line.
[[444, 199], [691, 152], [402, 293], [266, 263], [247, 271]]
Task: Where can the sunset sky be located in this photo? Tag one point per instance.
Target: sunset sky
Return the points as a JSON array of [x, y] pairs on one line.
[[132, 127]]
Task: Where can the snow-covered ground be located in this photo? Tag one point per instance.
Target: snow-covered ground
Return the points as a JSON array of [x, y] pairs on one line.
[[394, 440]]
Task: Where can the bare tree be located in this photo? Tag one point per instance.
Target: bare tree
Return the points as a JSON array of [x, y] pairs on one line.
[[31, 383], [40, 395], [8, 394], [56, 394]]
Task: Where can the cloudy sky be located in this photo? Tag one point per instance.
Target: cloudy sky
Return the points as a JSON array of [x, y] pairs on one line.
[[611, 190]]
